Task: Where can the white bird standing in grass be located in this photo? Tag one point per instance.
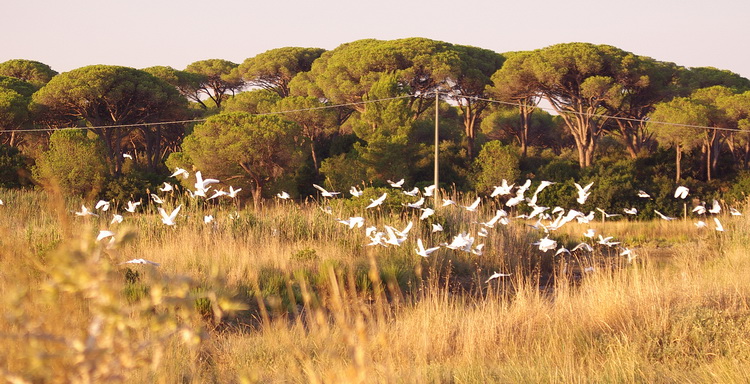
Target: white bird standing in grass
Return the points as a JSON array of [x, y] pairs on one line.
[[208, 219], [169, 219]]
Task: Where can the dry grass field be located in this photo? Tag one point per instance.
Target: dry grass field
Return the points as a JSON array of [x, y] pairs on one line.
[[287, 294]]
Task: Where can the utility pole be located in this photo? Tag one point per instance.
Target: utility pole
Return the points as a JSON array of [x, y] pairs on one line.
[[437, 143]]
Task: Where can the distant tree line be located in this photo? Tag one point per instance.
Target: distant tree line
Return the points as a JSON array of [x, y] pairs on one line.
[[364, 113]]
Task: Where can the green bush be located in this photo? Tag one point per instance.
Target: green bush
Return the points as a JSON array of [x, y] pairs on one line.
[[494, 163], [12, 167], [74, 162]]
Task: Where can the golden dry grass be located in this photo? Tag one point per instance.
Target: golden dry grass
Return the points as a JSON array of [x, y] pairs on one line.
[[321, 307]]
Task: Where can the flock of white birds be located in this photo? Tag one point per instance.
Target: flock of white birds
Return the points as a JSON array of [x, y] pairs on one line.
[[547, 221]]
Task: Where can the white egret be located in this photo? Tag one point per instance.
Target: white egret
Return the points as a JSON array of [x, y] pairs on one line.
[[179, 171], [426, 212], [503, 189], [422, 251], [496, 275], [203, 184], [629, 253], [167, 187], [412, 193], [473, 207], [607, 215], [483, 232], [523, 188], [583, 192], [103, 205], [127, 156], [590, 233], [663, 216], [562, 250], [478, 250], [585, 246], [233, 192], [283, 195], [396, 184], [715, 207], [156, 199], [376, 202], [355, 192], [353, 221], [116, 219], [607, 241], [429, 190], [718, 227], [416, 204], [643, 194], [103, 234], [436, 227], [85, 212], [447, 202], [208, 219], [217, 193], [546, 244], [140, 261], [325, 193], [734, 212], [168, 219], [681, 192], [630, 211], [700, 209], [701, 224], [131, 206]]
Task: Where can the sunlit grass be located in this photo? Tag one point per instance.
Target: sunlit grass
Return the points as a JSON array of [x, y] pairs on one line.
[[318, 305]]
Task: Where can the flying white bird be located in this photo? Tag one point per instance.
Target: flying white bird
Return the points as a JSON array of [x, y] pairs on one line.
[[523, 188], [156, 199], [585, 246], [375, 202], [478, 250], [436, 227], [217, 193], [700, 209], [355, 192], [412, 193], [630, 211], [283, 195], [483, 232], [393, 239], [562, 250], [503, 189], [103, 205], [167, 187], [426, 212], [607, 215], [131, 206], [715, 207], [719, 227], [546, 244], [629, 253], [461, 242], [127, 156], [447, 202], [140, 261], [473, 207], [734, 212], [208, 219], [325, 193], [201, 184], [168, 219], [416, 204], [422, 251], [1, 202], [353, 221], [116, 219], [643, 194], [499, 214], [396, 184], [496, 275], [542, 185], [103, 234], [85, 212], [663, 216], [701, 224], [681, 192], [607, 241], [233, 192], [179, 171], [590, 233], [513, 201], [327, 209], [429, 190], [583, 192]]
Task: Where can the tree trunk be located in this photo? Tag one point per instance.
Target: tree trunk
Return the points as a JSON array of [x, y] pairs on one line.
[[314, 156]]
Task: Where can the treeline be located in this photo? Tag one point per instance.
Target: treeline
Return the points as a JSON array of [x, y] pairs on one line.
[[365, 112]]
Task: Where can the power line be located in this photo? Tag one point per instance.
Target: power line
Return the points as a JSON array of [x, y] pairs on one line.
[[376, 101]]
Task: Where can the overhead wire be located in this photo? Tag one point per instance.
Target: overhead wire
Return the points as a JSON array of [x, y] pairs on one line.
[[310, 109]]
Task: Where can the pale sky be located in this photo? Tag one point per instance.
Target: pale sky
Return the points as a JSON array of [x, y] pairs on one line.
[[68, 34]]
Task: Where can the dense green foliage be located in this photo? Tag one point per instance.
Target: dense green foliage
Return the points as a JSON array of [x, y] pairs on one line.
[[366, 112], [74, 163]]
